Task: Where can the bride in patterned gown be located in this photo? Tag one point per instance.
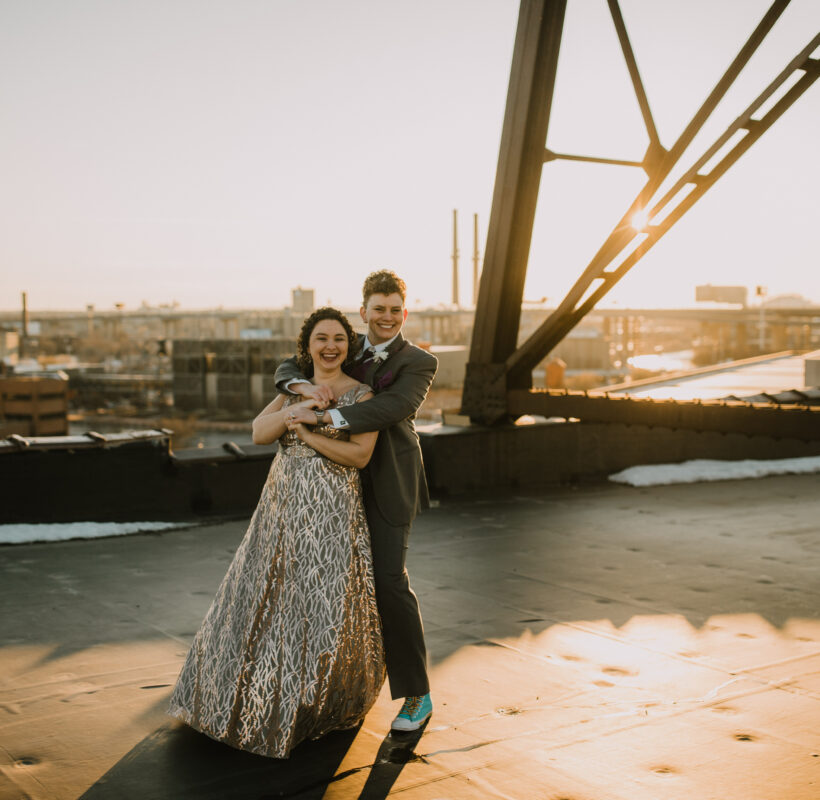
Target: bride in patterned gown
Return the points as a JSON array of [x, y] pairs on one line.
[[291, 647]]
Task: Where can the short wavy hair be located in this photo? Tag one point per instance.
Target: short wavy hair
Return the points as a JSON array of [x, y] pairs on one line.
[[384, 281], [303, 341]]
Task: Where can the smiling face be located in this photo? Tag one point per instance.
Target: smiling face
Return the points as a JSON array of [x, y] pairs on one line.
[[328, 345], [384, 315]]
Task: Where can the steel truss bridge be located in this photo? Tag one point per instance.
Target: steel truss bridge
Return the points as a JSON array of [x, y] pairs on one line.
[[498, 382]]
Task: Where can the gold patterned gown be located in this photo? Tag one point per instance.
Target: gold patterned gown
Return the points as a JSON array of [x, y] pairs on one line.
[[291, 647]]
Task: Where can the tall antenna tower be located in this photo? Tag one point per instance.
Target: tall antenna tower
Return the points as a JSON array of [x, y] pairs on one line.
[[455, 258]]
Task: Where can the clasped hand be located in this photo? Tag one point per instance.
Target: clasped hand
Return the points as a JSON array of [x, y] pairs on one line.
[[300, 414], [321, 396]]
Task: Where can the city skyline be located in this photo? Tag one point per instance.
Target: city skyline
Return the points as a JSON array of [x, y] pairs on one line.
[[223, 155]]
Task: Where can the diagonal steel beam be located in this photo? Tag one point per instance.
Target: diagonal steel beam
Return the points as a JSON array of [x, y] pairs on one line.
[[802, 61], [619, 237], [576, 303], [495, 367], [554, 329], [518, 178], [635, 75]]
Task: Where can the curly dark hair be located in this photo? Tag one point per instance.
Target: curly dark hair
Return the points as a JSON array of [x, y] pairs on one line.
[[303, 342], [385, 281]]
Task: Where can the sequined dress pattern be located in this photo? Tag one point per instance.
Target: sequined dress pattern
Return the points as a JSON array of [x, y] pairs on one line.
[[291, 647]]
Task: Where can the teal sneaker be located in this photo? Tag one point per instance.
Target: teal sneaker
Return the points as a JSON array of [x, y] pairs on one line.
[[414, 713]]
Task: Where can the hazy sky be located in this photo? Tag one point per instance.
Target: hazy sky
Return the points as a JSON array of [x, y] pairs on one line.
[[219, 152]]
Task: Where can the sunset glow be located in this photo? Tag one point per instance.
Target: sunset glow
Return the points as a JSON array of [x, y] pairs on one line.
[[276, 144]]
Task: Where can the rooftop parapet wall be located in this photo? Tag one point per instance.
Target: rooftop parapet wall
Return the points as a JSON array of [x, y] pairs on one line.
[[135, 476], [508, 458]]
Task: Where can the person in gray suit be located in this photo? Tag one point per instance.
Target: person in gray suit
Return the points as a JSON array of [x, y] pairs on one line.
[[393, 483]]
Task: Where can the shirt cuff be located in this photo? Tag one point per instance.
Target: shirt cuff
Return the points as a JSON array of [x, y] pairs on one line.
[[336, 418], [293, 381]]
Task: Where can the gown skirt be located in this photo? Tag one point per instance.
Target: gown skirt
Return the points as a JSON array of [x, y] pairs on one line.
[[291, 647]]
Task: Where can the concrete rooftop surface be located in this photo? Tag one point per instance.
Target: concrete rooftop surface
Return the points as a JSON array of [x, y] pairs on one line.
[[592, 643]]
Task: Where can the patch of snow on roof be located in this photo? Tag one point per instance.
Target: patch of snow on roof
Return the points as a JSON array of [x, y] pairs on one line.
[[61, 531], [713, 470]]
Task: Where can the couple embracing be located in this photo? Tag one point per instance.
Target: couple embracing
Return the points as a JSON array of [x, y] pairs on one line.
[[317, 601]]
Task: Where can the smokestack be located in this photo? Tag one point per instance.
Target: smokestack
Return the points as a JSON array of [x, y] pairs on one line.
[[455, 258], [475, 259], [21, 348]]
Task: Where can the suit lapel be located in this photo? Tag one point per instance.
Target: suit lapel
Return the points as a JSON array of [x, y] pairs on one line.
[[378, 366], [360, 367]]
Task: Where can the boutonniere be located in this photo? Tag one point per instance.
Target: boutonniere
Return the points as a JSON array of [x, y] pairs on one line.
[[380, 355]]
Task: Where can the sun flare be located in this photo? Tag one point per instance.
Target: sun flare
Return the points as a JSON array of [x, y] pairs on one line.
[[640, 220]]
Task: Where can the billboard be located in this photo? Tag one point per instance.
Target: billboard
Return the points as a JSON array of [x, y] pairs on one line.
[[721, 294]]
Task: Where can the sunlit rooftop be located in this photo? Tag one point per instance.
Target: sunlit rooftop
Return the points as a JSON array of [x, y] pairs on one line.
[[601, 641]]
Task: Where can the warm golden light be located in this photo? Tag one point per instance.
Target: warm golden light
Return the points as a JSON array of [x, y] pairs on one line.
[[640, 220]]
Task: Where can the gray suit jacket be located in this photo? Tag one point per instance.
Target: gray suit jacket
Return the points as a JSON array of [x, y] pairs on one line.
[[394, 478]]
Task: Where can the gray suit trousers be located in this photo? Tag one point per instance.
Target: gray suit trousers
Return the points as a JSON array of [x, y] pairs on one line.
[[405, 652]]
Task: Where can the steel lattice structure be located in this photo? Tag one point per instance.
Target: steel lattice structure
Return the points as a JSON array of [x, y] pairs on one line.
[[498, 370]]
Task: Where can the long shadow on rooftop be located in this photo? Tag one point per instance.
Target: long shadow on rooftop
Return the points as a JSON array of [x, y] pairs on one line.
[[501, 570], [177, 762]]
